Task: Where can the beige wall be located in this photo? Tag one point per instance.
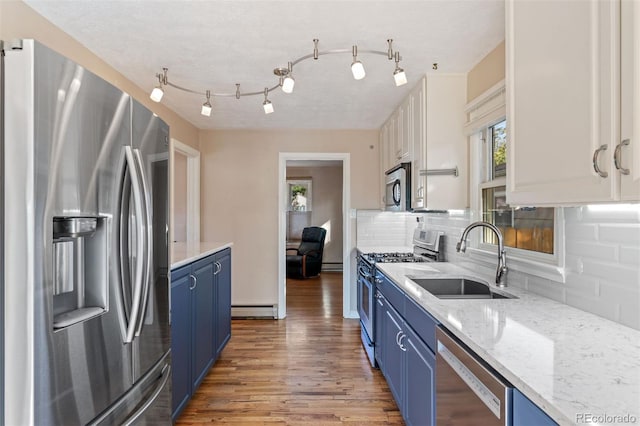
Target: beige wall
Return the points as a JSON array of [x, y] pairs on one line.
[[326, 205], [17, 20], [239, 195], [489, 71]]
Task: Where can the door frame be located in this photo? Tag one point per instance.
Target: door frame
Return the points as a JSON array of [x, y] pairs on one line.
[[347, 291], [193, 188]]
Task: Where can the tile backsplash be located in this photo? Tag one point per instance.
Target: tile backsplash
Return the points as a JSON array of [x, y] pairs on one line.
[[601, 252]]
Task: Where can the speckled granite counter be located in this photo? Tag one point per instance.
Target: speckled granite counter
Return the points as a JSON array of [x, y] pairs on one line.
[[567, 361], [185, 253]]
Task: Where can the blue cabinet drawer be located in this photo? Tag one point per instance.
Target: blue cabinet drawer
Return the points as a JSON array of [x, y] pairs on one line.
[[422, 323]]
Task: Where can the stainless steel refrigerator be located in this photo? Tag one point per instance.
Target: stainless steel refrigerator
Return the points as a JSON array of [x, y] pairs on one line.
[[85, 293]]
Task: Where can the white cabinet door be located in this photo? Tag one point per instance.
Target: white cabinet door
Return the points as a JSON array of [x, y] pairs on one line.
[[419, 142], [403, 153], [446, 143], [628, 161], [562, 101]]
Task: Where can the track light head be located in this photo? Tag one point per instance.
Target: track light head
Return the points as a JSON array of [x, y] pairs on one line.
[[206, 107], [267, 105], [398, 74], [287, 82], [357, 69], [157, 92]]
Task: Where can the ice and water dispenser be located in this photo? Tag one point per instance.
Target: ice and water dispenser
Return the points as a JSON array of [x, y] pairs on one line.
[[80, 269]]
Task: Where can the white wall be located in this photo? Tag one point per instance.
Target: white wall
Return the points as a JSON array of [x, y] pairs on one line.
[[602, 259]]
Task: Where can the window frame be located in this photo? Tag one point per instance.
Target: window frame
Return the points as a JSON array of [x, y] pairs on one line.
[[549, 266]]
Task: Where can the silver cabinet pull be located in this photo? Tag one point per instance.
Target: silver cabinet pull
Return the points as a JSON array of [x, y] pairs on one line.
[[218, 268], [195, 281], [601, 173], [398, 337], [617, 156], [402, 347]]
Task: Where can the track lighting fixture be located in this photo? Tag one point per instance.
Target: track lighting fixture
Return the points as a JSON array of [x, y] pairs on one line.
[[267, 105], [398, 74], [357, 69], [285, 77], [206, 107]]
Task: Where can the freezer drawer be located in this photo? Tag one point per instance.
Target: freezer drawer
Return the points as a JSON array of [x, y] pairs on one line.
[[148, 402]]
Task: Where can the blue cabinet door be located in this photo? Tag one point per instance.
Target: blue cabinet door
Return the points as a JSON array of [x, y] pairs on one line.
[[203, 332], [180, 339], [526, 413], [419, 397], [222, 310], [393, 353]]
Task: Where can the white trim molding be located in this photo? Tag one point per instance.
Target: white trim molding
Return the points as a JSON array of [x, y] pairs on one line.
[[348, 288], [193, 188], [486, 109]]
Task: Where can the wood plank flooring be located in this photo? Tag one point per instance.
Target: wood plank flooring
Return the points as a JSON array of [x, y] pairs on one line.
[[307, 369]]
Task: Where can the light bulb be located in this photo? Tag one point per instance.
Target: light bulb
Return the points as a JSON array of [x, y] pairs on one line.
[[156, 94], [287, 84], [268, 107], [400, 77], [358, 70]]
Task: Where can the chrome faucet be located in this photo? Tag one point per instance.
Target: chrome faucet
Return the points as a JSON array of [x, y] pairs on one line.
[[501, 272]]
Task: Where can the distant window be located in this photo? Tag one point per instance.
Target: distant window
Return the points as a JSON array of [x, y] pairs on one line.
[[299, 194], [527, 228]]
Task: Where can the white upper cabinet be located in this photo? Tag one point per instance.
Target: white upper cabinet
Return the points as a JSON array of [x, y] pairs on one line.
[[427, 130], [627, 159], [563, 102], [446, 143]]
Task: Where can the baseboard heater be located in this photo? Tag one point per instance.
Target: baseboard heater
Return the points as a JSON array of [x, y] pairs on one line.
[[332, 266], [254, 311]]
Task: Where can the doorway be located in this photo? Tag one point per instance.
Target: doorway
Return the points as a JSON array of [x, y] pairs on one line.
[[301, 167]]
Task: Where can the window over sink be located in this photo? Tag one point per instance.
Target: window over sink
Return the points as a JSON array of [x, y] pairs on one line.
[[532, 235]]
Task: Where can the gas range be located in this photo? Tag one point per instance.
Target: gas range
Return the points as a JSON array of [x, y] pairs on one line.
[[394, 257]]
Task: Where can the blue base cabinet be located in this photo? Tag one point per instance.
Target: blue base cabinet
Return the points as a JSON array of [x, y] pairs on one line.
[[200, 322], [526, 413], [405, 358]]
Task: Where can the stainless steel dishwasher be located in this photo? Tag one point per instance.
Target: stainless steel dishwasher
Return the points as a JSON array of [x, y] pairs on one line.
[[468, 392]]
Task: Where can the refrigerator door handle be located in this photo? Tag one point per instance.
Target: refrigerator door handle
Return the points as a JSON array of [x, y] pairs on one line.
[[140, 244], [165, 374], [146, 282]]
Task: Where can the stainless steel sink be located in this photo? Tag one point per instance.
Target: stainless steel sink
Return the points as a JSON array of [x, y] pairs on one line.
[[460, 288]]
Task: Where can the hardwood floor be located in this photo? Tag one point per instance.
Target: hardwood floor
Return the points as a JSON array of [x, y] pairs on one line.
[[307, 369]]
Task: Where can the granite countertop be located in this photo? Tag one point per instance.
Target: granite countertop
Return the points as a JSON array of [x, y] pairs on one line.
[[185, 253], [569, 362]]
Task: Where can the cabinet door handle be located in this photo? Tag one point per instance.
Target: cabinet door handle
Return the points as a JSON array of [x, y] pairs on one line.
[[402, 347], [195, 281], [377, 280], [617, 156], [398, 337], [218, 268], [596, 154]]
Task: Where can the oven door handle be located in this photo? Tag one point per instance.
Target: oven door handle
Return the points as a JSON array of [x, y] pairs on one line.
[[363, 273]]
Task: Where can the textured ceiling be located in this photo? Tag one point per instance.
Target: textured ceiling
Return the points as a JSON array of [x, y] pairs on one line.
[[216, 44]]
